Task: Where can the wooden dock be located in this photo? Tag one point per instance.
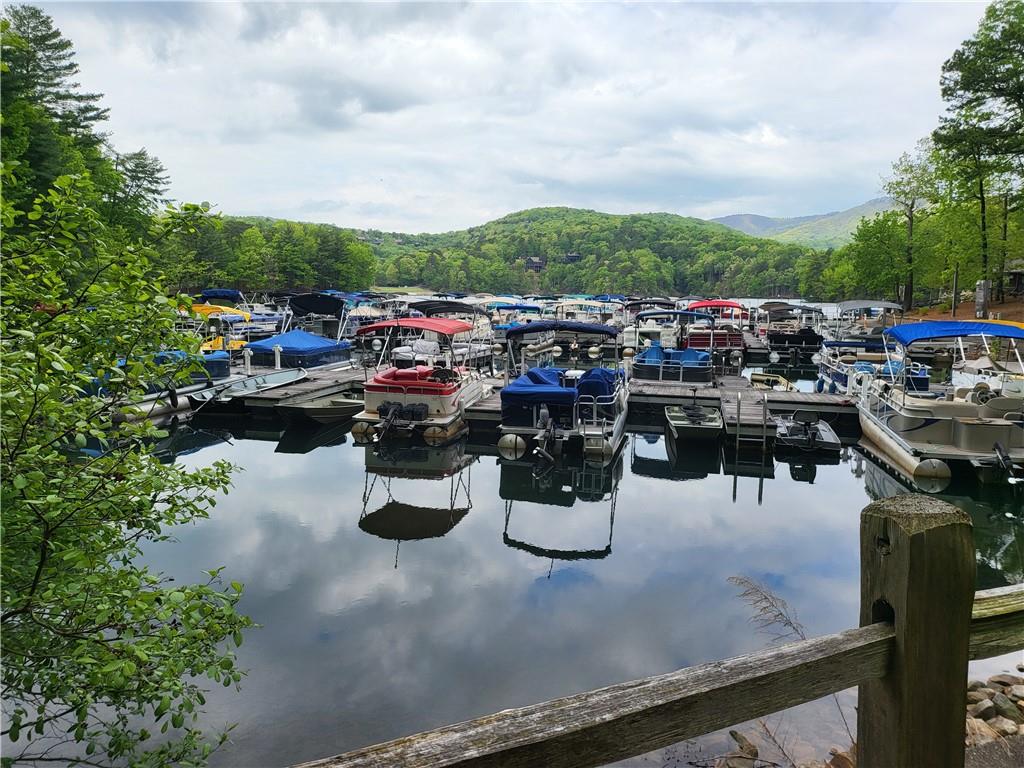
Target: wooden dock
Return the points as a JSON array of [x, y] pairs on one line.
[[316, 381]]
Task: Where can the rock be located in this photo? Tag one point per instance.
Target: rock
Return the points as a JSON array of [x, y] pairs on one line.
[[978, 732], [989, 692], [975, 697], [842, 759], [1020, 667], [983, 710], [1015, 692], [973, 685], [1003, 726], [1006, 708], [1005, 680]]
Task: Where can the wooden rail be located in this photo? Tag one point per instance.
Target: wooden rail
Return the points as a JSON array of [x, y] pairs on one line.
[[919, 626]]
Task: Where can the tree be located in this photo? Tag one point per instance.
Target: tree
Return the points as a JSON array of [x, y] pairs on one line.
[[910, 185], [138, 191], [98, 650], [249, 267]]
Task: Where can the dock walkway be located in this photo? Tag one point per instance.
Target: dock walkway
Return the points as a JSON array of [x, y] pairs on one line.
[[315, 381]]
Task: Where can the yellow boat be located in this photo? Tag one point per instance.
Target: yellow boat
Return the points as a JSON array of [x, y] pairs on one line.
[[217, 344], [209, 310]]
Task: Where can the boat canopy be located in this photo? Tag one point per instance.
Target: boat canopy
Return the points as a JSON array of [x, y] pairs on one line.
[[853, 306], [851, 344], [610, 297], [784, 306], [516, 308], [431, 307], [219, 310], [910, 332], [297, 342], [221, 293], [446, 326], [698, 316], [716, 304], [317, 304], [570, 326], [408, 522], [650, 303]]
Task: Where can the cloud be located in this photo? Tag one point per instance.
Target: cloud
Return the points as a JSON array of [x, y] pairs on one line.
[[438, 116]]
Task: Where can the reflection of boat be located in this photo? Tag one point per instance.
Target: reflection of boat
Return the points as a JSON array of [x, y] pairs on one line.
[[186, 439], [303, 438], [997, 516], [325, 409], [400, 521], [672, 464], [561, 485]]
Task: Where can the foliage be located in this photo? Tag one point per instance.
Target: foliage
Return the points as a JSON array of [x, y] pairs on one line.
[[587, 251], [99, 652]]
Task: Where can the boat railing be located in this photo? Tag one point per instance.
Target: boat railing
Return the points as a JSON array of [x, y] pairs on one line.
[[589, 410]]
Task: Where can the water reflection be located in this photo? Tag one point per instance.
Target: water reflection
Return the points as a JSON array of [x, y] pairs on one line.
[[498, 608]]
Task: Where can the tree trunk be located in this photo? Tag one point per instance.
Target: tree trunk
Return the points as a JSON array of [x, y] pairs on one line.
[[1001, 280], [984, 229], [908, 294]]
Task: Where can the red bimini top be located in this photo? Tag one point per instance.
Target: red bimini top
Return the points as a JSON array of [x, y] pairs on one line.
[[410, 381], [720, 304], [446, 326]]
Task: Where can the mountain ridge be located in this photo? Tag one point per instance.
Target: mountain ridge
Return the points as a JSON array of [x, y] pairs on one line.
[[822, 230]]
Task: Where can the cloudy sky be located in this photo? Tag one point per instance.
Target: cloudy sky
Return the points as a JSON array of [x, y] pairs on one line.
[[421, 117]]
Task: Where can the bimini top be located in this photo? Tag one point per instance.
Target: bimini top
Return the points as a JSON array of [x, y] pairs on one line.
[[698, 316], [221, 293], [298, 342], [853, 306], [784, 306], [446, 326], [650, 303], [407, 522], [430, 307], [570, 326], [317, 304], [716, 304], [516, 308], [910, 332]]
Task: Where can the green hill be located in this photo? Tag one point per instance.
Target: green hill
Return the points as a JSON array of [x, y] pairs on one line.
[[575, 250], [826, 230]]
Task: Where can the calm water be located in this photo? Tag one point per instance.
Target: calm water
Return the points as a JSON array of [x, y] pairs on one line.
[[507, 589]]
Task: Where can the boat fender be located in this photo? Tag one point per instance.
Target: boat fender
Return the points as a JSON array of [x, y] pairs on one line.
[[820, 386], [832, 388]]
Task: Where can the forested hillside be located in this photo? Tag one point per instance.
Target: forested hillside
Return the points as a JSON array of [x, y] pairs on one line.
[[823, 230], [573, 250]]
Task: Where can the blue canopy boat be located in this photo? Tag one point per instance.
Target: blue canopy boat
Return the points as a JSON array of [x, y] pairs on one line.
[[661, 363], [300, 349], [563, 409]]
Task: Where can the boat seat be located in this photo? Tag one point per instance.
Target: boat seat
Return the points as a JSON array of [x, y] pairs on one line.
[[998, 407], [943, 409], [426, 347]]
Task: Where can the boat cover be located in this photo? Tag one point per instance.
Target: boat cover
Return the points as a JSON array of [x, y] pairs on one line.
[[538, 386], [598, 382], [230, 294], [516, 308], [655, 354], [298, 342], [909, 333], [570, 326], [716, 304]]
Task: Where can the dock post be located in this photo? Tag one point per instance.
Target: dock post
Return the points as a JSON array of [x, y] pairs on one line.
[[247, 357], [277, 357], [917, 571]]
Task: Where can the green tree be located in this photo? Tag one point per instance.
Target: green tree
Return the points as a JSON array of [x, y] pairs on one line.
[[99, 652], [910, 185]]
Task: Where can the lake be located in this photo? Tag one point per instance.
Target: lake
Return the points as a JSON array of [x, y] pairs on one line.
[[507, 588]]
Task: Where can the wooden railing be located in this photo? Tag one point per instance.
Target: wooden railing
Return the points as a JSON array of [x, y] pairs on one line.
[[921, 621]]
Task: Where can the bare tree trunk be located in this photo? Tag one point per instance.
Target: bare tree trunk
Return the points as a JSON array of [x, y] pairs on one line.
[[908, 295], [1000, 284], [984, 229]]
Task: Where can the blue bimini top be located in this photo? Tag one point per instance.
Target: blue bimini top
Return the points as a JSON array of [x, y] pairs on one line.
[[911, 332], [298, 342], [563, 325]]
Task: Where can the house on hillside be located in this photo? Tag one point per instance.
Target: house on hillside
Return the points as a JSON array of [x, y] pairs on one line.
[[536, 263], [571, 258]]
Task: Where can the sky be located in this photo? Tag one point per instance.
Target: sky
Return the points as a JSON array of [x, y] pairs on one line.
[[426, 118]]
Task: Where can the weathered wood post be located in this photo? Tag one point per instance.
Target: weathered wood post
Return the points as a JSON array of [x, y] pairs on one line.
[[917, 571]]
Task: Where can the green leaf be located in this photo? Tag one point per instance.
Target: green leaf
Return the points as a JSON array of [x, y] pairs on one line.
[[20, 482], [176, 597]]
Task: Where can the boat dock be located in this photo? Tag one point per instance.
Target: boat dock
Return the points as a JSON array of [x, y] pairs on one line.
[[317, 380], [647, 401]]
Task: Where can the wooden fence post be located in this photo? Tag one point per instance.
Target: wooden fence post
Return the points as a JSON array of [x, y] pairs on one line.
[[917, 571]]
